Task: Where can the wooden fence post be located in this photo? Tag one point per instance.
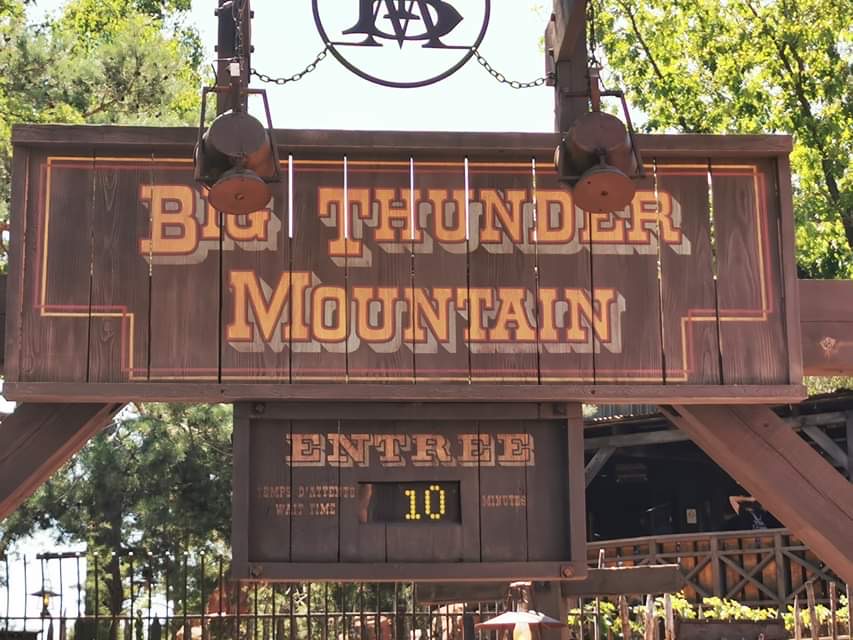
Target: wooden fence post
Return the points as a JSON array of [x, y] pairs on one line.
[[670, 617], [813, 621], [649, 626], [626, 618], [798, 622], [833, 610]]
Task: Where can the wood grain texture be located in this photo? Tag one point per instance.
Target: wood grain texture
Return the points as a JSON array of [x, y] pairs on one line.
[[118, 330], [625, 287], [55, 321], [352, 304], [256, 257], [782, 471], [511, 146], [787, 255], [503, 327], [441, 351], [379, 281], [689, 300], [751, 320], [563, 262], [314, 538], [552, 542], [233, 392], [19, 230], [37, 439], [319, 258], [269, 491], [185, 290], [504, 501]]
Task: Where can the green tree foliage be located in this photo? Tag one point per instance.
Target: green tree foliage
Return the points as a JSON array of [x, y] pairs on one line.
[[99, 61], [751, 66], [157, 483]]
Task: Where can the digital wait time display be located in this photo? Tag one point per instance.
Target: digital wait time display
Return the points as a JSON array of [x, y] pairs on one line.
[[409, 502]]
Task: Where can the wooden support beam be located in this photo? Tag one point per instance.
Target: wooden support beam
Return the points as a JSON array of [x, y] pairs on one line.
[[782, 471], [596, 464], [849, 420], [566, 58], [667, 435], [828, 445], [565, 31], [664, 578], [37, 439]]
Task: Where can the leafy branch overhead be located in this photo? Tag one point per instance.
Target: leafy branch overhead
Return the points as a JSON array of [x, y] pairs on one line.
[[745, 66], [99, 62]]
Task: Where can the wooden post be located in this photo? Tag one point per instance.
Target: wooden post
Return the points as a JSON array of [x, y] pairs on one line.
[[566, 57], [649, 623], [597, 621], [814, 624], [37, 439], [625, 617], [798, 622], [782, 471], [833, 610], [850, 445], [670, 617]]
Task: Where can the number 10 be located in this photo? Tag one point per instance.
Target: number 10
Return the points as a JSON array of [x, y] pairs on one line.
[[429, 506]]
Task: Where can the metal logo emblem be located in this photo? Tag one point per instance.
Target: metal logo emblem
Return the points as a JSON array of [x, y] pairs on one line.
[[429, 39]]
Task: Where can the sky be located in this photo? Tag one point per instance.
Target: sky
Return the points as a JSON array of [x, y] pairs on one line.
[[286, 40]]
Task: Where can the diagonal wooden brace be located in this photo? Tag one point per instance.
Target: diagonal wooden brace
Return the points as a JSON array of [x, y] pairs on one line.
[[37, 439], [782, 471]]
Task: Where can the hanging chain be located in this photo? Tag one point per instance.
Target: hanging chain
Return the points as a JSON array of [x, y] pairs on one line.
[[515, 84], [296, 77]]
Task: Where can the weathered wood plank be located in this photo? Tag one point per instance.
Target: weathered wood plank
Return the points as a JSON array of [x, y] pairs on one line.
[[509, 146], [626, 293], [666, 578], [751, 321], [440, 298], [270, 491], [118, 331], [503, 499], [20, 228], [314, 535], [185, 289], [689, 302], [503, 327], [55, 320], [321, 222], [37, 439], [379, 275], [564, 263], [255, 266], [422, 392]]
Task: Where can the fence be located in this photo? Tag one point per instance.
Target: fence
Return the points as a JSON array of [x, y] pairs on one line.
[[758, 568], [135, 597]]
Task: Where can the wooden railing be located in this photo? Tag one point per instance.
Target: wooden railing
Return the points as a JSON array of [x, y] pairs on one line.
[[760, 568]]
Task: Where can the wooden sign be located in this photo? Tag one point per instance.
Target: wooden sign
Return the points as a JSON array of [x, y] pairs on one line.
[[400, 267], [378, 495]]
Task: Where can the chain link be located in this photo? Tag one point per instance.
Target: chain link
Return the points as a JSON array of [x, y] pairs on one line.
[[296, 77], [515, 84]]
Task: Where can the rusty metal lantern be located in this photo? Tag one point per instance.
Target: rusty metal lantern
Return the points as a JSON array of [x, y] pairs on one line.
[[598, 157], [236, 157]]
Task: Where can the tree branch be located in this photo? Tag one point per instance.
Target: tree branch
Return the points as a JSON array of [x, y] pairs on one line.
[[636, 29]]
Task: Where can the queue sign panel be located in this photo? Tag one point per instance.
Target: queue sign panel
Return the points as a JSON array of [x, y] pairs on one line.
[[386, 499]]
